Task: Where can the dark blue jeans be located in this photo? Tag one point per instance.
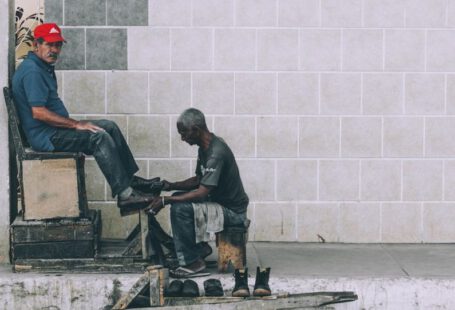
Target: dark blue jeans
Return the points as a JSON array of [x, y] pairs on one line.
[[109, 148], [182, 222]]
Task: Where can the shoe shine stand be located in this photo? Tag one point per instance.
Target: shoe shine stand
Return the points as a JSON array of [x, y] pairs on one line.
[[54, 231]]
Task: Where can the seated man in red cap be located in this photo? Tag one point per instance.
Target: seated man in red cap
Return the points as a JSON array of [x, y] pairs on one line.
[[48, 127]]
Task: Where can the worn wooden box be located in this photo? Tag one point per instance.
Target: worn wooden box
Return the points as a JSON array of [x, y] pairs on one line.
[[51, 189], [55, 239]]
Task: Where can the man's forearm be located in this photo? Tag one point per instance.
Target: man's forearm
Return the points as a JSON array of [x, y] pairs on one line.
[[194, 196], [53, 119], [186, 185]]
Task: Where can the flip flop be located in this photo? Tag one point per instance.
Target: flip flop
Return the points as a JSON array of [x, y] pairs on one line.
[[182, 272]]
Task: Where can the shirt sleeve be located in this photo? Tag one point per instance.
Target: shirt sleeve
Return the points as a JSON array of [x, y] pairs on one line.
[[36, 89], [212, 173]]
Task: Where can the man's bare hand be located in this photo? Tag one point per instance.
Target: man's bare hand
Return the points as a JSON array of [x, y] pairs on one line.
[[166, 185], [85, 125], [155, 206]]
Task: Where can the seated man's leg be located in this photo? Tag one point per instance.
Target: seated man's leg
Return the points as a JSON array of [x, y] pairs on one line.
[[124, 152], [182, 221], [102, 147], [233, 219]]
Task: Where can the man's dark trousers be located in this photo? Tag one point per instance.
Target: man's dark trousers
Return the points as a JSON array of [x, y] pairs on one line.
[[109, 148]]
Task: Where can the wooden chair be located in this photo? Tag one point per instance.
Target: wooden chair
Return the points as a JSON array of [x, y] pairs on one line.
[[52, 184]]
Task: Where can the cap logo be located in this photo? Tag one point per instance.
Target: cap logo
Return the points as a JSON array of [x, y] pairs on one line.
[[53, 30]]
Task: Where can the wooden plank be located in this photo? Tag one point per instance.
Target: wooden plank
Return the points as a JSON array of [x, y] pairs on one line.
[[145, 238], [60, 249], [138, 287], [50, 189], [159, 281], [134, 247]]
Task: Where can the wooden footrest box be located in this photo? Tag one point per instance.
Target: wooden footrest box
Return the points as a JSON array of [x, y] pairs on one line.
[[55, 239]]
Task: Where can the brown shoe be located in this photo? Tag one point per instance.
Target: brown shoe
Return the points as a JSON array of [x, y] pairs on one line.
[[136, 200]]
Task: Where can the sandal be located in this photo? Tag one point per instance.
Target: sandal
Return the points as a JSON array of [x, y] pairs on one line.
[[183, 272]]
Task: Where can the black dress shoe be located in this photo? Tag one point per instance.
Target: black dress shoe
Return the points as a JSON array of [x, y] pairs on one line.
[[213, 288], [190, 289], [143, 184], [135, 201], [174, 289]]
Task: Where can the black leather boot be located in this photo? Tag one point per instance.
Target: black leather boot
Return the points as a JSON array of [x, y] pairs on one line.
[[261, 287], [149, 186], [241, 283]]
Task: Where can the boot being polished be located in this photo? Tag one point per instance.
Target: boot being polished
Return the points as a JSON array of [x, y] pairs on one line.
[[261, 287], [241, 283]]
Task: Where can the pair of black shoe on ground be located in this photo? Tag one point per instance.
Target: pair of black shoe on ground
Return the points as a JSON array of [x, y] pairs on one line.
[[261, 286], [189, 288]]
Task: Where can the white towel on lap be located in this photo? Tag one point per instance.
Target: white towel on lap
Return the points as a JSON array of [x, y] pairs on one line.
[[208, 220]]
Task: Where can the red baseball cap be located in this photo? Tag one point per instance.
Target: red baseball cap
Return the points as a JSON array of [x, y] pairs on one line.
[[49, 32]]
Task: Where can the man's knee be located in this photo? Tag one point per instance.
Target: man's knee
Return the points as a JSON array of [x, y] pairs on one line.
[[107, 125], [181, 210]]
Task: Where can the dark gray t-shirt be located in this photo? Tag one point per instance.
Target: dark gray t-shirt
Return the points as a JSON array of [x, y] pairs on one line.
[[217, 168]]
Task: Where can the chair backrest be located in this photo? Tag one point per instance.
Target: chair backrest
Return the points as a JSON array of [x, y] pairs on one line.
[[14, 124]]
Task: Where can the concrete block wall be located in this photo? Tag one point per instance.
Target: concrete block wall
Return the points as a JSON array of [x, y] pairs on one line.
[[340, 112]]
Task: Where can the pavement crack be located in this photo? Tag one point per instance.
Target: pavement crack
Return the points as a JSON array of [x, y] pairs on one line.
[[395, 260]]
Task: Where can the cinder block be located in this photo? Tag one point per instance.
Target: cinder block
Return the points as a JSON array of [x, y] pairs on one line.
[[451, 13], [297, 13], [50, 189], [296, 180], [449, 180], [170, 92], [85, 13], [54, 11], [106, 49], [239, 134], [422, 180], [73, 54], [384, 13], [426, 13], [361, 137], [277, 136], [450, 94], [127, 12], [340, 93], [320, 49], [438, 219], [319, 137], [401, 222], [440, 46], [258, 178], [275, 222], [94, 181], [439, 140], [84, 92], [382, 93], [213, 93], [148, 136], [113, 225], [381, 180], [353, 219], [235, 49], [171, 170], [362, 50], [148, 48], [255, 13], [298, 93], [424, 93], [403, 137], [317, 219], [213, 13], [341, 13], [191, 49], [254, 88], [338, 180], [278, 49], [404, 50], [127, 92], [169, 13], [59, 76]]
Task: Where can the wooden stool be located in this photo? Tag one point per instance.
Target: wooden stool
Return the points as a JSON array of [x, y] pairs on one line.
[[231, 243]]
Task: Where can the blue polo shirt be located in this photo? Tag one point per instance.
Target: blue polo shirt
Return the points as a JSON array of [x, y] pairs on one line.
[[35, 85]]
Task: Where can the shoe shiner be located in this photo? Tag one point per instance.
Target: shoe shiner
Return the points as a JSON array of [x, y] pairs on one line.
[[208, 201]]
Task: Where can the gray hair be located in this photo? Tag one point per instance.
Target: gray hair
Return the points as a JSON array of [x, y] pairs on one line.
[[192, 117]]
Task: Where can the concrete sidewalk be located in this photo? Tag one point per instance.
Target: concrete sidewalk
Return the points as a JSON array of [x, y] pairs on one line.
[[398, 276]]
